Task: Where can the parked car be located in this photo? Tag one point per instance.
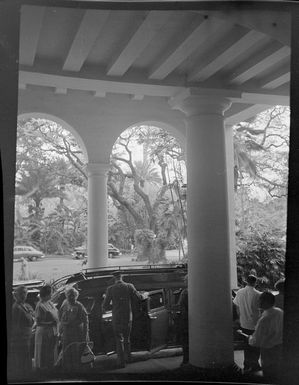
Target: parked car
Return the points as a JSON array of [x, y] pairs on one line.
[[113, 251], [153, 326], [81, 252], [27, 252], [156, 318]]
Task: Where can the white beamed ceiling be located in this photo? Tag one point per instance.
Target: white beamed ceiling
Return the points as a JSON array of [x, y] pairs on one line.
[[158, 53]]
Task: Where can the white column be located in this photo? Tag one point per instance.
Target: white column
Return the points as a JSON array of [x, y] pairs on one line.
[[97, 215], [229, 140], [210, 304]]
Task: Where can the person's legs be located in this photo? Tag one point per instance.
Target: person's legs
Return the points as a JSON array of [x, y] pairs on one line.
[[271, 363], [127, 342], [38, 348], [49, 349], [251, 354], [20, 359], [27, 356], [119, 342]]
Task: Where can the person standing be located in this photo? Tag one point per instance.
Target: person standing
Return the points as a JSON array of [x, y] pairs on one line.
[[20, 362], [184, 327], [45, 351], [268, 337], [74, 327], [96, 333], [247, 302], [24, 269], [121, 294]]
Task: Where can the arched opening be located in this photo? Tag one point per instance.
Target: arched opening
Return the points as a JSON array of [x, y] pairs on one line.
[[147, 202], [51, 196]]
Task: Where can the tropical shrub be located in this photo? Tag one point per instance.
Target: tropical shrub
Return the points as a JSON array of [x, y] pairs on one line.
[[261, 254]]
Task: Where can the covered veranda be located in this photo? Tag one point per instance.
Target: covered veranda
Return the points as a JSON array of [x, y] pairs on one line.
[[195, 69]]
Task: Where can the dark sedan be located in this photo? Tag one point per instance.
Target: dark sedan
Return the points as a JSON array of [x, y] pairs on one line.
[[155, 322], [156, 318]]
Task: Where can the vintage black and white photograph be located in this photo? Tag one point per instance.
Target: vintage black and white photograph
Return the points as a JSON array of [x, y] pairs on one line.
[[149, 159]]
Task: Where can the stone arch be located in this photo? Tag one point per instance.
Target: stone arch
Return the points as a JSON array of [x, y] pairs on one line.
[[60, 121]]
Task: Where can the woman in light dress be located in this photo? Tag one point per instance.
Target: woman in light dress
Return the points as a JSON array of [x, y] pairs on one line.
[[46, 335], [74, 328]]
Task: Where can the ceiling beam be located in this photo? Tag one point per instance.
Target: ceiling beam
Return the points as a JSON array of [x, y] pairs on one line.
[[261, 98], [228, 55], [185, 45], [154, 21], [29, 32], [277, 79], [92, 23], [131, 88], [98, 86], [245, 114], [250, 70]]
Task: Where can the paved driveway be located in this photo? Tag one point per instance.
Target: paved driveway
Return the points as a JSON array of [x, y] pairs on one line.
[[54, 267]]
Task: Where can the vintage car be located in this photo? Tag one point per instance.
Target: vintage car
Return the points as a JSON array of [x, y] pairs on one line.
[[113, 251], [81, 252], [27, 252], [156, 318], [155, 323]]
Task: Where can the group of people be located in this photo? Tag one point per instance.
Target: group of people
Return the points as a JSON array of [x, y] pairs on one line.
[[68, 326], [261, 322], [261, 319], [260, 315]]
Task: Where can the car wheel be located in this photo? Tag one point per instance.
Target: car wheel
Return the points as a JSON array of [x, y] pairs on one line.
[[29, 259]]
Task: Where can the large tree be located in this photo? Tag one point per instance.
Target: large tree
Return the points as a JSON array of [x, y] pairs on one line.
[[261, 152], [142, 187], [41, 175]]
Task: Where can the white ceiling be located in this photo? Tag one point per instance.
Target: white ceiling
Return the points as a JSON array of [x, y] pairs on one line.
[[159, 53]]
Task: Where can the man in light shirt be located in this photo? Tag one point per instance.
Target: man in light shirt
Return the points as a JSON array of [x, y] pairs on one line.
[[247, 302], [268, 336]]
